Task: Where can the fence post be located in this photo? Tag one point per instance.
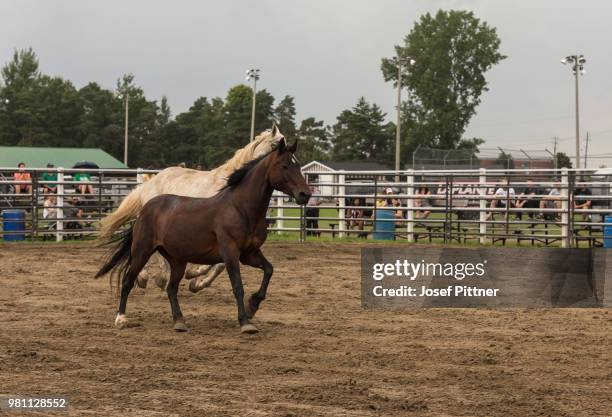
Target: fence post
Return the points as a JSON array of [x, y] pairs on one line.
[[410, 205], [565, 238], [139, 176], [341, 204], [482, 191], [34, 204], [280, 213], [302, 225], [59, 225]]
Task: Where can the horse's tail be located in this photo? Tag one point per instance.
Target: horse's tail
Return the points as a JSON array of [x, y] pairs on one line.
[[121, 256], [127, 210]]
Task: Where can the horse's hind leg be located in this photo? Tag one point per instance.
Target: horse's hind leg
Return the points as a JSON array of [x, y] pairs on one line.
[[196, 285], [160, 279], [137, 263], [177, 269]]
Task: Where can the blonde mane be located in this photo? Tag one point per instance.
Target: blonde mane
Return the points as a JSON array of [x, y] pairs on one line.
[[246, 154]]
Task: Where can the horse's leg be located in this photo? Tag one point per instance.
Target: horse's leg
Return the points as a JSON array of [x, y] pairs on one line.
[[177, 269], [231, 256], [136, 265], [196, 285], [258, 260], [197, 271], [160, 279], [145, 274]]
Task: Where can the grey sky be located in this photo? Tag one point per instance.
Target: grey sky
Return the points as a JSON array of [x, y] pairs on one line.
[[327, 54]]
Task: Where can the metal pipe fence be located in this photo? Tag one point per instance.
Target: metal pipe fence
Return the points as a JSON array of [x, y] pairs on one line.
[[57, 203], [536, 207]]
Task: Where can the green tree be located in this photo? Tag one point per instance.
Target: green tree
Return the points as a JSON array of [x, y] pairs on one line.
[[264, 112], [101, 119], [284, 114], [58, 114], [38, 110], [361, 134], [237, 110], [563, 161], [314, 139], [505, 160], [452, 51], [142, 121], [20, 90]]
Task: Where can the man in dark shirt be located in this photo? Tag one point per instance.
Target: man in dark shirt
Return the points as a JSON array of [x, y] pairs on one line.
[[581, 199], [527, 200]]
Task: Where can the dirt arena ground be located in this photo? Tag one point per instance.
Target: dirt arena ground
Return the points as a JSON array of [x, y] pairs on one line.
[[318, 353]]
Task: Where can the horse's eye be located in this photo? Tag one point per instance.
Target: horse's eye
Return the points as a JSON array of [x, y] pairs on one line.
[[285, 166]]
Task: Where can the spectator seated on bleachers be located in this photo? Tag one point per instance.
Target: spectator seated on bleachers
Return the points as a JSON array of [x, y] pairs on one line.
[[527, 200], [50, 188], [22, 175]]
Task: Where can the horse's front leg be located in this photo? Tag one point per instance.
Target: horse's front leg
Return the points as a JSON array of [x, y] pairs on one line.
[[258, 260], [233, 270]]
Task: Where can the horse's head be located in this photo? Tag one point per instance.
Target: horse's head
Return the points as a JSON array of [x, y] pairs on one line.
[[285, 174], [267, 141]]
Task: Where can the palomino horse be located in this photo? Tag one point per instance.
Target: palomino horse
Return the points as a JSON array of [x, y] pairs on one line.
[[228, 228], [190, 183]]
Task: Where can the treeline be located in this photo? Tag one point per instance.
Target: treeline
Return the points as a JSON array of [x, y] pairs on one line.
[[39, 110], [443, 61]]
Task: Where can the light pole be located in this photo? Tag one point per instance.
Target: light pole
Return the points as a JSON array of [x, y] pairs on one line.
[[397, 60], [253, 74], [126, 99], [577, 65]]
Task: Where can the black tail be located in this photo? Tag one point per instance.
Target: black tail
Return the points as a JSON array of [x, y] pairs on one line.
[[122, 254]]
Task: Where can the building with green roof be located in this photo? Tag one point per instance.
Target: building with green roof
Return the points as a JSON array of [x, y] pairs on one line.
[[35, 157]]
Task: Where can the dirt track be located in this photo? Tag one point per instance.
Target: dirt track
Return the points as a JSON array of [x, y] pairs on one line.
[[318, 353]]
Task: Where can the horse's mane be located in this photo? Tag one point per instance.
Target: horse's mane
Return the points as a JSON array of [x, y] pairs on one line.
[[243, 155], [238, 175]]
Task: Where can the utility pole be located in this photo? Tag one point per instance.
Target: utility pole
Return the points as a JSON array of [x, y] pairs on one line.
[[253, 74], [555, 154], [398, 60], [399, 119], [586, 150], [126, 97], [577, 64]]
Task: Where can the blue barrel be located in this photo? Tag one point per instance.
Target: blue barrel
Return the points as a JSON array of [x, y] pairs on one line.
[[608, 232], [385, 224], [13, 225]]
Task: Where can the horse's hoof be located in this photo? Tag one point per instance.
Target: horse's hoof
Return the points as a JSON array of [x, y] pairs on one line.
[[161, 282], [193, 286], [120, 321], [248, 328], [180, 326]]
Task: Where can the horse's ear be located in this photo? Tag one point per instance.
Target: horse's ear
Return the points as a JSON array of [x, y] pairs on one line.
[[282, 146], [293, 147], [274, 129]]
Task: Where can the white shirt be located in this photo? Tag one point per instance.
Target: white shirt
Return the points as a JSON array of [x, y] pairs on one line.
[[501, 191]]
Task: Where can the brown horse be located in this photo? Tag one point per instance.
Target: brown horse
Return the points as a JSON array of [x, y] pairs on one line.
[[229, 227]]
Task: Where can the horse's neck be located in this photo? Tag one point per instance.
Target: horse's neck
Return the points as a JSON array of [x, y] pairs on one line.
[[254, 191]]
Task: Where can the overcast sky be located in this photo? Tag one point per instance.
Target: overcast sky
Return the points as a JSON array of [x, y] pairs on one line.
[[327, 54]]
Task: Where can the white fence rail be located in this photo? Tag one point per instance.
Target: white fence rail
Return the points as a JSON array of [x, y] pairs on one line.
[[537, 207]]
